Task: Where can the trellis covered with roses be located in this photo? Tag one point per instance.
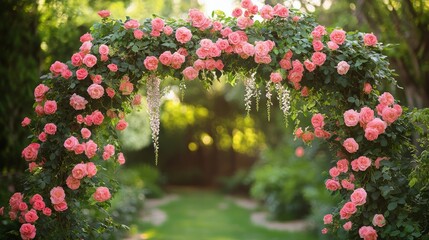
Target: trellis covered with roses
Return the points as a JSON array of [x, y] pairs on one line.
[[329, 73]]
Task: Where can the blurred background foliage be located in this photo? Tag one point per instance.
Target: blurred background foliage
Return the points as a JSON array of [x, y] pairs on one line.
[[206, 138]]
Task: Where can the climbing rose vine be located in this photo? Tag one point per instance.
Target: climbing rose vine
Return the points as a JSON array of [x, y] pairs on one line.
[[326, 72]]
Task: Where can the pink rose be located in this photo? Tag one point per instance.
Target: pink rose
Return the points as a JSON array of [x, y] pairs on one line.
[[389, 115], [110, 149], [70, 143], [333, 46], [23, 207], [368, 233], [371, 134], [219, 65], [367, 88], [190, 73], [86, 37], [351, 118], [234, 38], [176, 60], [151, 63], [30, 152], [276, 77], [42, 137], [91, 169], [137, 100], [57, 67], [86, 133], [157, 24], [317, 45], [138, 34], [351, 145], [90, 149], [298, 132], [101, 194], [332, 185], [25, 122], [358, 197], [110, 92], [50, 128], [348, 210], [95, 91], [165, 58], [237, 12], [57, 195], [121, 159], [112, 67], [81, 73], [338, 36], [377, 124], [304, 92], [104, 13], [27, 231], [47, 211], [85, 48], [281, 11], [39, 205], [126, 87], [307, 137], [363, 163], [39, 92], [347, 185], [167, 30], [318, 32], [89, 60], [15, 200], [77, 102], [103, 49], [79, 171], [379, 220], [66, 74], [318, 58], [217, 26], [76, 59], [35, 197], [327, 219], [369, 39], [222, 44], [183, 35], [317, 121], [324, 231], [50, 107], [334, 172], [131, 24], [343, 165], [386, 99], [347, 226], [60, 207], [366, 115], [72, 182], [121, 125], [309, 65], [31, 216], [398, 109], [267, 12], [343, 67]]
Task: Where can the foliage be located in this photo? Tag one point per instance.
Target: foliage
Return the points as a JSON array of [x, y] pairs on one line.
[[337, 72], [281, 178]]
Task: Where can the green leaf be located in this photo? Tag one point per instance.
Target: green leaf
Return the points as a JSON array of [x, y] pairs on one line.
[[135, 48], [392, 206]]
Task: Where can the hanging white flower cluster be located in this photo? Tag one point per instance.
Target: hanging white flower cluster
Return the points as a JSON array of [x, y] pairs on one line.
[[251, 91], [154, 104], [283, 96]]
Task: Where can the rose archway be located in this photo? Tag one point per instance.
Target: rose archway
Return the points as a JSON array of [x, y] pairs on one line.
[[82, 104]]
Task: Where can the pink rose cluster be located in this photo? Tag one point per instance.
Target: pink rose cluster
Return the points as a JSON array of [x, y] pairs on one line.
[[306, 136], [318, 123], [174, 60], [125, 87], [80, 171], [198, 20], [58, 199], [20, 210], [374, 126]]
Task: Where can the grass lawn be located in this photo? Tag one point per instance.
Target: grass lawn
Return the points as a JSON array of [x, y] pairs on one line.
[[206, 215]]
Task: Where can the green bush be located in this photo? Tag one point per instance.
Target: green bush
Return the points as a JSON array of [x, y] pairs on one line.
[[286, 183]]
